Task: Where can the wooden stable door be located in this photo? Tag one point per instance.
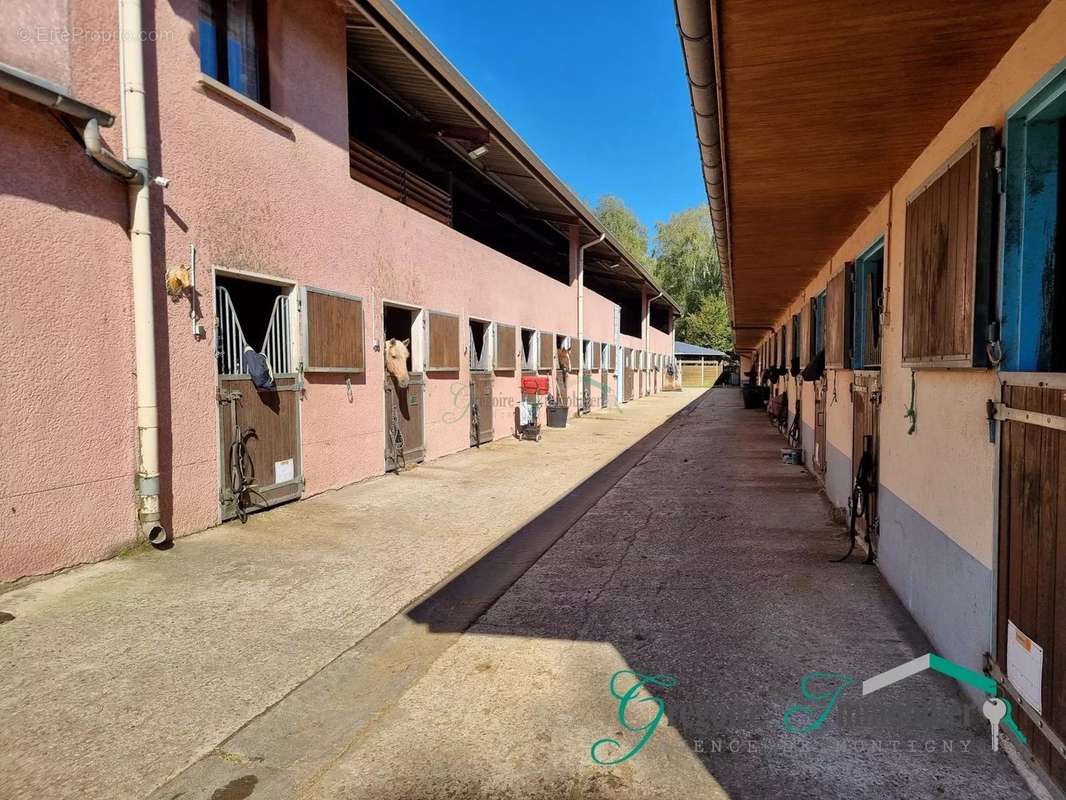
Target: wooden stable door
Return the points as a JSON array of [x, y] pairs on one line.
[[820, 456], [1031, 564], [269, 424], [480, 408], [404, 423], [628, 374], [866, 417]]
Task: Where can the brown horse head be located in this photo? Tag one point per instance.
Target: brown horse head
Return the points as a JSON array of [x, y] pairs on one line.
[[564, 358], [396, 353]]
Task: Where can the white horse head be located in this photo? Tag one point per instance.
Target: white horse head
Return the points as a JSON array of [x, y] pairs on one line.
[[396, 353]]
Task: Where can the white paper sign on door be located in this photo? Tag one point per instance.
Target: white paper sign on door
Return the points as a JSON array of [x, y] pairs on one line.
[[284, 471], [1025, 665]]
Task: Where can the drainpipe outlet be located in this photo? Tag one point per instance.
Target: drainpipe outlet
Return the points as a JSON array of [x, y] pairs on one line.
[[156, 534]]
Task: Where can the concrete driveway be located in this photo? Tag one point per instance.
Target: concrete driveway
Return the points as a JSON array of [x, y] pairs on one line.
[[284, 661], [119, 675], [708, 562]]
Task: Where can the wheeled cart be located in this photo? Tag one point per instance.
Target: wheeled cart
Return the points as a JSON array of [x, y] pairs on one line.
[[534, 387]]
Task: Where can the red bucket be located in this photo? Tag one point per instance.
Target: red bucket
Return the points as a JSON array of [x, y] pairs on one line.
[[534, 384]]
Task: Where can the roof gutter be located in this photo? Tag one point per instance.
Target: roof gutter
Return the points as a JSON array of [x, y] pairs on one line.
[[452, 81], [697, 26], [50, 95]]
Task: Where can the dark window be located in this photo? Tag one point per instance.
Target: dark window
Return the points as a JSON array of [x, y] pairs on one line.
[[399, 323], [529, 355], [817, 324], [233, 45], [866, 317], [251, 314], [480, 358], [1033, 324], [1058, 338], [659, 318]]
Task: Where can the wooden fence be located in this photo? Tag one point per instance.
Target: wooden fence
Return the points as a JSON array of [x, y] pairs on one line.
[[699, 373]]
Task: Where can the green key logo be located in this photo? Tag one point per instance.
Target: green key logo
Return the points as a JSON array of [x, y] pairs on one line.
[[997, 709]]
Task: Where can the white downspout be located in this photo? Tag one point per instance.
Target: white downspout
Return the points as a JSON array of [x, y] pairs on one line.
[[647, 322], [581, 317], [652, 374], [135, 148]]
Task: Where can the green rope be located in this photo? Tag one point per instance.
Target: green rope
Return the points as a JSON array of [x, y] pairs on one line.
[[912, 411]]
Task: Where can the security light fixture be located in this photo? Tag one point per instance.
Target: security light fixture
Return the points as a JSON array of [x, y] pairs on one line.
[[478, 152]]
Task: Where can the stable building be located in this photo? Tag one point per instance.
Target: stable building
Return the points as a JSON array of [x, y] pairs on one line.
[[887, 194], [697, 365], [310, 186]]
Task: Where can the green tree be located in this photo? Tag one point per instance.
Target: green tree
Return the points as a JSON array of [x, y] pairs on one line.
[[686, 260], [710, 326], [623, 224], [686, 264]]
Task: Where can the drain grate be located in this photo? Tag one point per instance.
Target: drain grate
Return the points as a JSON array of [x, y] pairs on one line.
[[5, 617]]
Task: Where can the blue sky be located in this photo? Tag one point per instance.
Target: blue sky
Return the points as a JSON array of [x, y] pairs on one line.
[[596, 87]]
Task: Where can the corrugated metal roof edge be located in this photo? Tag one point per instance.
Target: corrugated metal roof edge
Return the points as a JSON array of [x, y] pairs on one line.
[[411, 35], [685, 348]]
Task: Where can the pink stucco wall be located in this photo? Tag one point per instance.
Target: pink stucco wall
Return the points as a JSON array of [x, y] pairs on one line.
[[250, 195], [36, 36], [67, 398]]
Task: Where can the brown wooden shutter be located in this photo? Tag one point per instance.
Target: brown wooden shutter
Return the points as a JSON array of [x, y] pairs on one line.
[[546, 351], [505, 347], [836, 320], [333, 332], [443, 342], [948, 260]]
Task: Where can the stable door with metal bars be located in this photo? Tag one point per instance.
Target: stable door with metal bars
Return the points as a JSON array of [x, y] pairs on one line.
[[260, 459], [404, 408], [866, 442], [482, 352]]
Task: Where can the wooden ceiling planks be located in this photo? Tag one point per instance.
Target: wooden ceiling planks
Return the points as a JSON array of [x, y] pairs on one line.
[[826, 104]]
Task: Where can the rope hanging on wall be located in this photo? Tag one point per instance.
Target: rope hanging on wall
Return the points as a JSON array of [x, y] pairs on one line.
[[912, 410]]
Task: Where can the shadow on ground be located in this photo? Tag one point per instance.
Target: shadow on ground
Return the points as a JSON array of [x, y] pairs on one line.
[[696, 554]]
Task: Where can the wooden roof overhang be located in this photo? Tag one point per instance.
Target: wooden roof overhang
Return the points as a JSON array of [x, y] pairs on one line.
[[808, 112], [383, 41]]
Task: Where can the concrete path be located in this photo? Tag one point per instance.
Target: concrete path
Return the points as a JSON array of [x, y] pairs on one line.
[[709, 562], [117, 676], [694, 554]]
